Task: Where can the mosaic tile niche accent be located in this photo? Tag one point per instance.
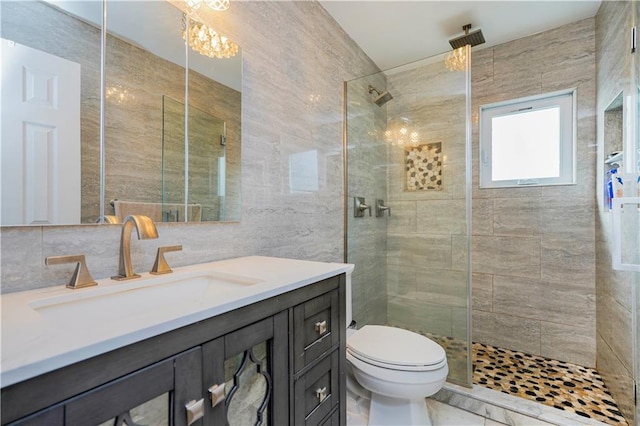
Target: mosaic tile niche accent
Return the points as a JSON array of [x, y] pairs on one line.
[[423, 167]]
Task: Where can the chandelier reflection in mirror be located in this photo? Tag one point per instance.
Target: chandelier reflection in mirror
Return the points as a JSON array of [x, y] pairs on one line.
[[456, 60], [207, 41], [400, 131], [119, 94]]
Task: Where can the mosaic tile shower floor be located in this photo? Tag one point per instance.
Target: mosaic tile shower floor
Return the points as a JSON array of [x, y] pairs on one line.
[[558, 384]]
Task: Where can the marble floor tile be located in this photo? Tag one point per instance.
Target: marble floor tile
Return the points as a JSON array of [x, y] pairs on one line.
[[443, 414], [489, 422]]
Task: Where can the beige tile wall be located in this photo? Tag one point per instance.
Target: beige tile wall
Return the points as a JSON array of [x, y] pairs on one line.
[[279, 117], [533, 249], [613, 288]]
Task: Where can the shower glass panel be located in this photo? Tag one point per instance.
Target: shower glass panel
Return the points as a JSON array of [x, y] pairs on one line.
[[635, 89], [172, 156], [407, 146], [206, 161]]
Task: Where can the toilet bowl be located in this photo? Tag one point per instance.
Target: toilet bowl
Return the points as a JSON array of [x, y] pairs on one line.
[[397, 368]]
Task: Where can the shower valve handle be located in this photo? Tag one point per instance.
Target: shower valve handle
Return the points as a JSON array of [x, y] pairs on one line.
[[381, 208], [359, 207]]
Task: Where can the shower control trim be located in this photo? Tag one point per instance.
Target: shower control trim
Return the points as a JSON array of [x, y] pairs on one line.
[[359, 207], [381, 208]]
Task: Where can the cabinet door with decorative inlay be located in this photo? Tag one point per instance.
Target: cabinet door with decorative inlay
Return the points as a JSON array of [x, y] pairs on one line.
[[164, 394], [246, 375]]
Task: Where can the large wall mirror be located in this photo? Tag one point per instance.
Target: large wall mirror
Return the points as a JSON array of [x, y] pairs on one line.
[[171, 122]]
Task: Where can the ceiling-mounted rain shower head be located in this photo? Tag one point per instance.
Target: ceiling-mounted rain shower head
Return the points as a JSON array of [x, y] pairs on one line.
[[382, 98], [475, 38]]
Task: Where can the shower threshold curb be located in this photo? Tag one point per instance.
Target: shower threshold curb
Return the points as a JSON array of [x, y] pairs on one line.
[[507, 409]]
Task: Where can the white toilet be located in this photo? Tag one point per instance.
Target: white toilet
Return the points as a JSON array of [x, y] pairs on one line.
[[398, 367]]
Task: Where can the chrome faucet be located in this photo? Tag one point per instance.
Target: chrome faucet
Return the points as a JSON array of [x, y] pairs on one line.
[[146, 230]]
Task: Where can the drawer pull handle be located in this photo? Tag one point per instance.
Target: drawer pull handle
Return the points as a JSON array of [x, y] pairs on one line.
[[321, 327], [321, 394], [195, 411], [216, 393]]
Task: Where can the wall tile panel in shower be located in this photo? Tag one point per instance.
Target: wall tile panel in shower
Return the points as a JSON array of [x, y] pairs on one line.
[[510, 256], [540, 300], [617, 377], [568, 258], [401, 280], [428, 250], [482, 220], [516, 216], [439, 286], [507, 331], [441, 217], [540, 250], [403, 218], [573, 218], [413, 314], [482, 292], [568, 342]]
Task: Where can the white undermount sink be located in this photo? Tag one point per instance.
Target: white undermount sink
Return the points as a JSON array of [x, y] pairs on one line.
[[130, 299]]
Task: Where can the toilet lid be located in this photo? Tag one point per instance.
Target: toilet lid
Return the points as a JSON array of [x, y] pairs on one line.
[[394, 346]]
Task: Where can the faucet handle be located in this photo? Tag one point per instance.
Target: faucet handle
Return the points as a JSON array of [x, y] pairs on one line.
[[160, 266], [81, 276]]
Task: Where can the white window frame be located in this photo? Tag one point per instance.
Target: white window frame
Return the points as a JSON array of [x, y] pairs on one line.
[[566, 100]]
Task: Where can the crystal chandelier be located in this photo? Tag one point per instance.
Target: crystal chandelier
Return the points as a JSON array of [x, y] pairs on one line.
[[456, 60], [401, 132], [218, 5], [206, 41]]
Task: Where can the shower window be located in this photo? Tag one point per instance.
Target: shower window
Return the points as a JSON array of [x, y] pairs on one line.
[[528, 141]]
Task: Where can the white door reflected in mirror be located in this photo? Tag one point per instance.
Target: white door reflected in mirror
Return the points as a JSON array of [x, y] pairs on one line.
[[40, 146]]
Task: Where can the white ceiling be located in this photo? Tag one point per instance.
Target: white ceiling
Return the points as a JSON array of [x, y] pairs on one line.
[[396, 32]]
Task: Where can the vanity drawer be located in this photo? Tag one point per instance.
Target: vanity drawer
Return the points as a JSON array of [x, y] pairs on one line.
[[317, 392], [333, 419], [316, 322]]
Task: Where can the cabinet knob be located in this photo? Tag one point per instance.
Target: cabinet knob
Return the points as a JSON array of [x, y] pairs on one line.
[[195, 411], [321, 327], [321, 394], [216, 393]]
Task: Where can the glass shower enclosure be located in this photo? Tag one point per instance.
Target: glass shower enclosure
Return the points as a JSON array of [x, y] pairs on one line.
[[634, 144], [408, 203]]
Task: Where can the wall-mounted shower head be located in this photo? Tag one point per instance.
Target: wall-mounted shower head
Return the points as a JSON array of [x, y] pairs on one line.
[[475, 38], [382, 98]]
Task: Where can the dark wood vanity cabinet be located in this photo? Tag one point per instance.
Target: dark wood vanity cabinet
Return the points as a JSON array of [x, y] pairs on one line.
[[278, 361]]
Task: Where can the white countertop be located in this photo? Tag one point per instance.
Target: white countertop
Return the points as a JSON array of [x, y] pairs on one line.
[[34, 343]]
